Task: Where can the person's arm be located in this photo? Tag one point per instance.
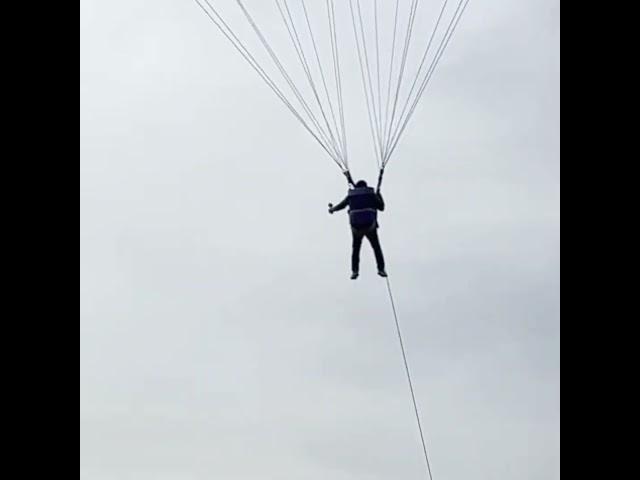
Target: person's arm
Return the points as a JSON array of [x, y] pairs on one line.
[[380, 201], [343, 204]]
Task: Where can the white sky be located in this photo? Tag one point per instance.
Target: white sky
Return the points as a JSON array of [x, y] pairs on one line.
[[220, 335]]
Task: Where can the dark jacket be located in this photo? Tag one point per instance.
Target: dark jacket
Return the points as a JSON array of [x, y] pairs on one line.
[[363, 203]]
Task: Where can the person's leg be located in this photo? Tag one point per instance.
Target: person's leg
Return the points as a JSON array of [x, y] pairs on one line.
[[372, 236], [355, 253]]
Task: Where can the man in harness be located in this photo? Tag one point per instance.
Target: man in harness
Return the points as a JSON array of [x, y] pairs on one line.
[[364, 203]]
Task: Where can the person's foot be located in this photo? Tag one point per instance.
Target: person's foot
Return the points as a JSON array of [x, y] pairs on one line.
[[354, 275], [382, 273]]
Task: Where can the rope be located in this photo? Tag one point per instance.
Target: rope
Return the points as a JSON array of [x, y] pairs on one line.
[[403, 65], [406, 367], [331, 14], [287, 77], [370, 103], [389, 111], [377, 28], [365, 50], [297, 44], [393, 54], [418, 74], [224, 28], [462, 5], [322, 76]]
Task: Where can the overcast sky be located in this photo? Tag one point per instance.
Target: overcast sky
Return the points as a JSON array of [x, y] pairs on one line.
[[221, 337]]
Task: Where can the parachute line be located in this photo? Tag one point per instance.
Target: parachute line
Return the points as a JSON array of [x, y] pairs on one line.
[[377, 29], [297, 43], [321, 70], [331, 14], [224, 28], [365, 72], [393, 53], [286, 76], [403, 64], [462, 5], [417, 77], [408, 373], [390, 106]]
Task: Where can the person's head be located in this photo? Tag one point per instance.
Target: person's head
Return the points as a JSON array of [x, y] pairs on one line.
[[361, 184]]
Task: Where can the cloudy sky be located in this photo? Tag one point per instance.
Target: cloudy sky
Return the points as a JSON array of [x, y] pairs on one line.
[[221, 337]]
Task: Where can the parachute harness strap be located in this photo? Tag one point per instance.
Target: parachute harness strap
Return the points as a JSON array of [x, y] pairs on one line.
[[380, 176], [347, 174], [408, 372]]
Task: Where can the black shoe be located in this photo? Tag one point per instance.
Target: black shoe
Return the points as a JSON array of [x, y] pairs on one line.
[[382, 273], [354, 275]]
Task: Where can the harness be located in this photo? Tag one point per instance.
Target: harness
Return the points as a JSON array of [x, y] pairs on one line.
[[362, 215]]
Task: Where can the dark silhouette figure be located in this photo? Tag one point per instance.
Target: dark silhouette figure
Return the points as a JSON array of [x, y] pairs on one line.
[[364, 203]]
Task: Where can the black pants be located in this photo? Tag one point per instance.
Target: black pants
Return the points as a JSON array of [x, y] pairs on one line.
[[372, 236]]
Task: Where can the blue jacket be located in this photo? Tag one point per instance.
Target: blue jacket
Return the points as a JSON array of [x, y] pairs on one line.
[[364, 204]]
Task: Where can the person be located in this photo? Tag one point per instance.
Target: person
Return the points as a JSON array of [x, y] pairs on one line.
[[364, 203]]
